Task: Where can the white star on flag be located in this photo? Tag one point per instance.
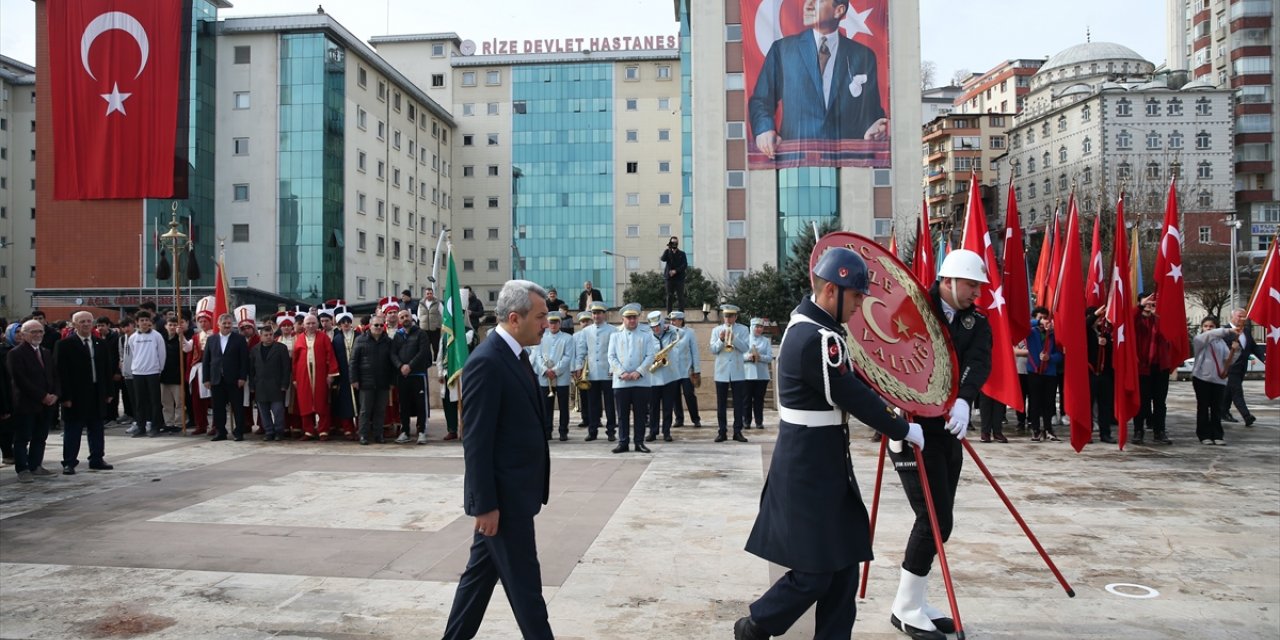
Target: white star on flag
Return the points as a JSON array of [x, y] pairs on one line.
[[997, 299], [855, 22], [1273, 333], [1275, 295], [1175, 272], [1120, 334], [115, 99]]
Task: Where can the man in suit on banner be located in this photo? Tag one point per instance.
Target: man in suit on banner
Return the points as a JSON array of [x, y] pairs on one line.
[[507, 468], [828, 85]]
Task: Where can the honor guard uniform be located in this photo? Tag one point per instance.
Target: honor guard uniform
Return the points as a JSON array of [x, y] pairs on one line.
[[343, 405], [728, 342], [287, 322], [664, 382], [756, 362], [812, 519], [689, 369], [960, 275], [579, 352], [201, 396], [551, 360], [631, 354], [594, 358]]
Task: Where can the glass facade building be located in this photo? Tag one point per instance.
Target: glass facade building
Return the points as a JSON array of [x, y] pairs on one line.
[[562, 168], [312, 82], [805, 195], [686, 133]]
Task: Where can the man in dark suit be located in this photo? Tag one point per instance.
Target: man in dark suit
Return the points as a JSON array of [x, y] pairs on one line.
[[675, 264], [508, 468], [827, 84], [1237, 369], [84, 369], [226, 369], [35, 391]]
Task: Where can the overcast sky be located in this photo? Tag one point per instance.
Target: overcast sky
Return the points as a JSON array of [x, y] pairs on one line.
[[974, 35]]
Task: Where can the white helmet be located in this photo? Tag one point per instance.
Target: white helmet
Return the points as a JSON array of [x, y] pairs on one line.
[[962, 263]]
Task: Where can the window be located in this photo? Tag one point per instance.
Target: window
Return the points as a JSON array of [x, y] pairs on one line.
[[631, 74], [493, 233], [240, 146], [735, 130], [362, 118], [1204, 107], [242, 55], [1062, 123], [1086, 146], [395, 176], [362, 286], [633, 199], [1253, 123], [1086, 176], [395, 139], [395, 251], [493, 170], [240, 232], [1124, 141], [382, 209], [437, 80], [664, 72], [1153, 107], [1153, 140], [664, 199], [631, 104], [1062, 183], [1205, 199], [382, 91], [1046, 160], [736, 179], [996, 142], [382, 130], [1204, 170], [493, 77], [382, 170], [382, 288], [1086, 113], [493, 139], [633, 135], [382, 246], [664, 135], [519, 106], [1174, 107], [468, 234], [468, 78], [395, 214], [664, 104], [733, 33], [468, 140], [1031, 136], [736, 229], [1204, 140], [241, 100], [1062, 154], [1124, 171], [1044, 130], [1124, 108], [633, 231], [664, 166], [468, 265], [240, 192], [1031, 189], [493, 202], [1175, 140], [633, 167], [1206, 235], [1031, 165], [468, 202], [362, 77]]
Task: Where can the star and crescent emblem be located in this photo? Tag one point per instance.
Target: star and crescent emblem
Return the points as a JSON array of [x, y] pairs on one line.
[[118, 21]]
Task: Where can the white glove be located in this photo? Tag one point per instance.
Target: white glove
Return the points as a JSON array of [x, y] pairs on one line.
[[915, 435], [959, 421]]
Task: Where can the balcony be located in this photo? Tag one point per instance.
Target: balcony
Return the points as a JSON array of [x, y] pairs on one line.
[[934, 176]]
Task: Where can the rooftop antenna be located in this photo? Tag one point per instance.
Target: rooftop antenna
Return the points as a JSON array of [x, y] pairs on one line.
[[1088, 37]]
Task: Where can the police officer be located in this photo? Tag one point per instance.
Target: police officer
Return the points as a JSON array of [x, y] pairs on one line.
[[594, 355], [551, 359], [812, 520], [664, 392], [689, 369], [630, 355], [960, 278], [728, 342], [756, 362]]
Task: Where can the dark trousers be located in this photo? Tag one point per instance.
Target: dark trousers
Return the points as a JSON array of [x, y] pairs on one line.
[[433, 337], [561, 401], [662, 404], [272, 416], [792, 595], [690, 398], [942, 463], [1235, 395], [992, 412], [1041, 409], [1153, 389], [227, 392], [1103, 386], [1208, 409], [757, 390], [30, 431], [450, 415], [413, 401], [1024, 382], [632, 400], [600, 397], [739, 390], [71, 430], [373, 412], [6, 435], [146, 390], [675, 289], [126, 396], [510, 556]]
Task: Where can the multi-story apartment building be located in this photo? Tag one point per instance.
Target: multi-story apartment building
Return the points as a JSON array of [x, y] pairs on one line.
[[567, 155], [1000, 90], [957, 147], [937, 101], [1233, 45], [1098, 118], [17, 186]]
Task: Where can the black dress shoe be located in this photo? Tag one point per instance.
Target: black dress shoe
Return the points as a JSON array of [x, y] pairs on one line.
[[738, 437], [666, 438], [720, 437], [651, 437], [1108, 439], [564, 437], [622, 448], [1229, 418], [944, 625], [238, 438], [101, 466], [218, 438], [68, 470], [1248, 422], [364, 441], [697, 425], [589, 437], [640, 448], [612, 438], [914, 633], [745, 629]]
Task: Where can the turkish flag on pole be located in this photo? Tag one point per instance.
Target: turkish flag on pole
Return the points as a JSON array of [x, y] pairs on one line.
[[115, 68], [1120, 313], [1055, 263], [1171, 306], [1041, 285], [221, 295], [1003, 384], [1014, 275], [1093, 294], [922, 262], [1069, 323], [1264, 309]]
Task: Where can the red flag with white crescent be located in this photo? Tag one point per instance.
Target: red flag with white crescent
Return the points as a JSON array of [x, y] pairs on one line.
[[1264, 309], [1124, 345], [1069, 319], [1095, 282], [115, 67], [1171, 306], [922, 262], [1003, 384], [1014, 275]]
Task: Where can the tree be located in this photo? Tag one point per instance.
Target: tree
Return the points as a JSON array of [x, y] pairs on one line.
[[928, 74], [764, 294], [960, 75], [1208, 282], [795, 273], [649, 289]]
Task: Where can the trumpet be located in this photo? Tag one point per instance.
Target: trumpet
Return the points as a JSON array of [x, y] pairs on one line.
[[551, 386], [728, 344], [582, 381], [754, 355]]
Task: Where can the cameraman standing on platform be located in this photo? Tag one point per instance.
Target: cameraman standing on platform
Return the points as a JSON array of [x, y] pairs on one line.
[[676, 263]]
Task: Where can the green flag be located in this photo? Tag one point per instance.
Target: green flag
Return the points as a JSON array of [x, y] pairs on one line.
[[455, 324]]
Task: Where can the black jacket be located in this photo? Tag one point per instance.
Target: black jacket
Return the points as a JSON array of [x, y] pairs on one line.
[[412, 347], [971, 337], [171, 374], [1251, 348], [677, 260], [225, 366], [270, 371], [87, 395], [371, 366], [31, 378], [6, 398], [587, 297]]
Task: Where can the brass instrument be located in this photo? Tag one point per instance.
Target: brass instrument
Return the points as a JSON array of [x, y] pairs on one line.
[[754, 355], [583, 382], [660, 359], [551, 384], [728, 344]]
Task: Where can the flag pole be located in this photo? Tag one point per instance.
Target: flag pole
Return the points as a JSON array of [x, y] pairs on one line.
[[875, 508], [937, 540]]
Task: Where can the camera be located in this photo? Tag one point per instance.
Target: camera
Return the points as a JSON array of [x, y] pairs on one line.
[[671, 244]]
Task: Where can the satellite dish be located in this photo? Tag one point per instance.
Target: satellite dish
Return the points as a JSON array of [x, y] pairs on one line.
[[467, 48]]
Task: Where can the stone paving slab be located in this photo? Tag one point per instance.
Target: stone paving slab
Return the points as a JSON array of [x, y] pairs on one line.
[[193, 539]]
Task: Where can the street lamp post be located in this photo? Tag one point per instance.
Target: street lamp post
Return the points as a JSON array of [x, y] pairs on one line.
[[621, 273], [175, 240], [1234, 224]]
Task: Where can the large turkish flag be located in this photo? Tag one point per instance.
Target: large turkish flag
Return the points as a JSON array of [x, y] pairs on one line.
[[115, 74]]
